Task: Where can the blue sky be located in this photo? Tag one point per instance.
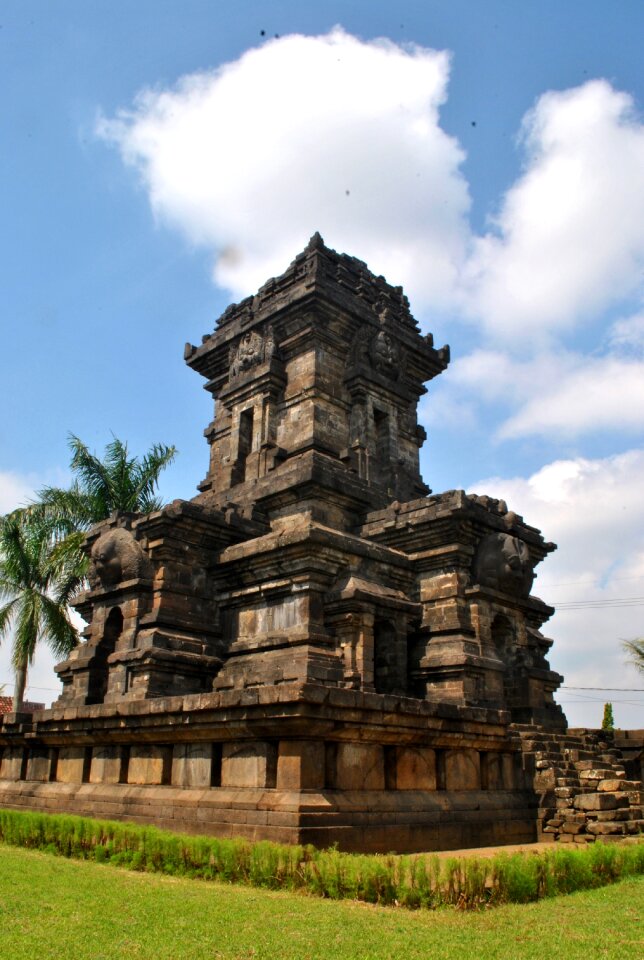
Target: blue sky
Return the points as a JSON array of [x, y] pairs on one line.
[[493, 155]]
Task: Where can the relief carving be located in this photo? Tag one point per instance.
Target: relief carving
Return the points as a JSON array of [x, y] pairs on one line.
[[503, 562], [385, 355], [359, 352], [379, 351], [253, 348], [116, 556]]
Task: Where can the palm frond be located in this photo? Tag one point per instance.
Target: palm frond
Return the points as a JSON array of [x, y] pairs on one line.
[[18, 547], [635, 649], [59, 633], [43, 558], [6, 615], [94, 476], [69, 566], [7, 588], [64, 511], [146, 476], [28, 625]]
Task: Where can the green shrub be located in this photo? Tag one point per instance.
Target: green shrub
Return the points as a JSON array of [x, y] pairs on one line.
[[420, 881]]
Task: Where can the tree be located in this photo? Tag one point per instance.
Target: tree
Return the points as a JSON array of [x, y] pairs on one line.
[[635, 649], [37, 582], [118, 482], [608, 722], [42, 564]]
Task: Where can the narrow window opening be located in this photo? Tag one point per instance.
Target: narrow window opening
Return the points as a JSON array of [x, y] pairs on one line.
[[99, 669], [87, 764], [386, 666], [245, 444], [383, 446], [125, 763], [215, 769], [166, 769]]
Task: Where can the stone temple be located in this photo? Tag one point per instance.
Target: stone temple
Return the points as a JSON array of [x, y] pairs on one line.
[[315, 648]]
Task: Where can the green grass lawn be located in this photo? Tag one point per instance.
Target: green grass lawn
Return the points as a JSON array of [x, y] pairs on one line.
[[56, 908]]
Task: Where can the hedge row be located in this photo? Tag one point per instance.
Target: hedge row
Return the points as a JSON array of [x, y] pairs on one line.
[[422, 880]]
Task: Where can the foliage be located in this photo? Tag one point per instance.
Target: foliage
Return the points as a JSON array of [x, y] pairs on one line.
[[608, 721], [52, 907], [42, 563], [423, 880], [36, 584], [635, 650], [118, 482]]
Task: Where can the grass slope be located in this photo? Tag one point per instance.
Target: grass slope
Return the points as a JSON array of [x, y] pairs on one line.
[[52, 908]]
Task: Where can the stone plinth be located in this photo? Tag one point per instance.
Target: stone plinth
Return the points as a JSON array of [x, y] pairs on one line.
[[281, 763]]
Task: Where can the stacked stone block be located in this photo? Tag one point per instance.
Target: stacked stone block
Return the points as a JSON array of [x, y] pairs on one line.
[[582, 786]]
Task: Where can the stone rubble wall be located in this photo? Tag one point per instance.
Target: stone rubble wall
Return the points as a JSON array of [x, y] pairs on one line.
[[581, 784]]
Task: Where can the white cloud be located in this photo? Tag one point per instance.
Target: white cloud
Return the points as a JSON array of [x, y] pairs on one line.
[[569, 238], [340, 135], [308, 133], [627, 335], [15, 490], [595, 394], [594, 510], [556, 394]]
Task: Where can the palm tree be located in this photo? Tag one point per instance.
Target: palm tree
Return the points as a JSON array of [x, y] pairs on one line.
[[42, 564], [635, 649], [37, 582], [118, 482]]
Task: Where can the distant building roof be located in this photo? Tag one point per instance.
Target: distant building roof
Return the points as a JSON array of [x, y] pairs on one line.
[[6, 706]]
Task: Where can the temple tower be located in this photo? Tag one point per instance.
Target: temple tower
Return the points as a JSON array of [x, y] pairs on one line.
[[316, 381], [314, 648]]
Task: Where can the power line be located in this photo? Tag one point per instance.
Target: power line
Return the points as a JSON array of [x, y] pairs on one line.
[[616, 689], [574, 583], [601, 602]]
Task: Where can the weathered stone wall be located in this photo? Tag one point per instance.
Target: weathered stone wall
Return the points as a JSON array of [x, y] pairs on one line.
[[299, 763], [581, 783]]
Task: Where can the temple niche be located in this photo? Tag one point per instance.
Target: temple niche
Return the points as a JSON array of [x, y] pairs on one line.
[[315, 648]]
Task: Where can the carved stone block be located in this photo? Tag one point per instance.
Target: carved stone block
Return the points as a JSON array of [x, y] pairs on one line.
[[249, 764], [149, 764], [462, 770], [38, 765], [116, 556], [12, 763], [360, 766], [503, 562], [106, 765], [415, 768], [192, 765], [300, 765], [71, 764]]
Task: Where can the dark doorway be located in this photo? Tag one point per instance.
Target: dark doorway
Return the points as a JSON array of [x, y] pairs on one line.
[[99, 671], [504, 639], [387, 668]]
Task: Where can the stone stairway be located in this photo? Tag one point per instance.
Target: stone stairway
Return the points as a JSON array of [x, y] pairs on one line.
[[581, 785]]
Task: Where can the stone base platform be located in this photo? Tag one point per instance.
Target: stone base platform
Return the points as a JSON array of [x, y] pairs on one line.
[[374, 822], [296, 763]]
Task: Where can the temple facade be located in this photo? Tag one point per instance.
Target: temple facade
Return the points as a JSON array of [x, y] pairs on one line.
[[315, 648]]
